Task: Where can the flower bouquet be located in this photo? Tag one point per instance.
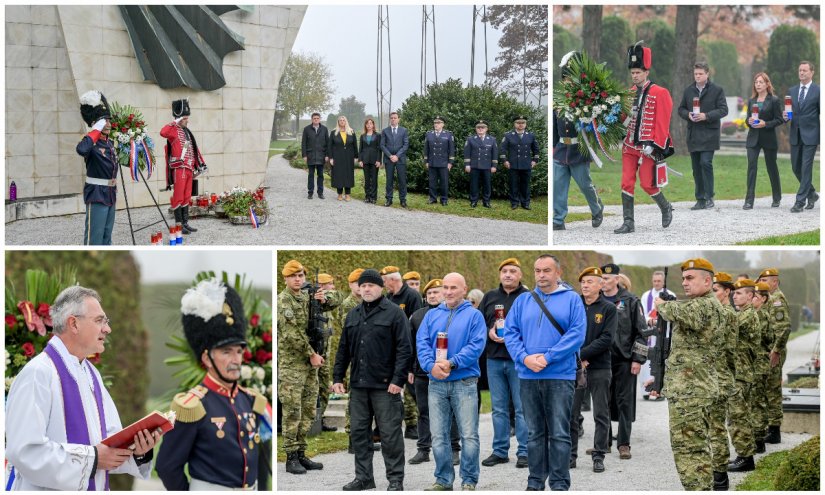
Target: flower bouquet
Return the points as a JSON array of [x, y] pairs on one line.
[[244, 203], [28, 322], [589, 97], [135, 149]]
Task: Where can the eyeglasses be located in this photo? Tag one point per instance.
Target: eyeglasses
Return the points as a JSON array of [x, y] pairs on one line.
[[100, 321]]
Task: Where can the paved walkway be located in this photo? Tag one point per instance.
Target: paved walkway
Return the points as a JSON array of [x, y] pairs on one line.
[[725, 224], [295, 220]]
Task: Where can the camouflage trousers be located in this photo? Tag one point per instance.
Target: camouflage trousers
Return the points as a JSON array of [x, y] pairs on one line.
[[410, 409], [719, 447], [774, 393], [759, 406], [324, 383], [690, 442], [298, 392], [740, 421]]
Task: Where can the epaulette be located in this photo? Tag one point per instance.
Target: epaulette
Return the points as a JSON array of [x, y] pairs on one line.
[[188, 406], [259, 401]]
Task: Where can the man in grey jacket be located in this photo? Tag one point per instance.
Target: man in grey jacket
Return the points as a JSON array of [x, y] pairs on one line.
[[703, 130]]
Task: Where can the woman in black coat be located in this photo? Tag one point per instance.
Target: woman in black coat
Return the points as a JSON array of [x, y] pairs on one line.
[[370, 151], [762, 136], [343, 151]]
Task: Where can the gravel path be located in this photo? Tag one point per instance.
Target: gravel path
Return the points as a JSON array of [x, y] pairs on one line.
[[725, 224], [651, 468], [295, 220]]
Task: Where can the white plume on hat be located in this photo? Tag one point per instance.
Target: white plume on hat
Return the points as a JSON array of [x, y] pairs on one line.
[[204, 300], [566, 57], [91, 98]]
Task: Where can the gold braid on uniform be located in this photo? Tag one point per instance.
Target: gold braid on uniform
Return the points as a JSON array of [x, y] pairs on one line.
[[259, 403], [188, 407]]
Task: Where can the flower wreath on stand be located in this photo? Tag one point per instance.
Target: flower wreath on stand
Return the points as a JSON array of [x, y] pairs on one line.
[[589, 97], [135, 149], [28, 322], [243, 202]]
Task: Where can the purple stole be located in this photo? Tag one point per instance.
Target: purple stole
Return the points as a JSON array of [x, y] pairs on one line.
[[77, 431]]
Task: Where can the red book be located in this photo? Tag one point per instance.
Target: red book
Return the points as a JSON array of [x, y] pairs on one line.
[[125, 437]]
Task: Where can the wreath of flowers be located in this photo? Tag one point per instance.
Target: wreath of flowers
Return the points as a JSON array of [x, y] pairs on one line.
[[238, 201], [595, 102], [135, 149]]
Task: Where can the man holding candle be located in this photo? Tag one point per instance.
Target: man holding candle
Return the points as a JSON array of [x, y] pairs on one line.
[[804, 117], [703, 107]]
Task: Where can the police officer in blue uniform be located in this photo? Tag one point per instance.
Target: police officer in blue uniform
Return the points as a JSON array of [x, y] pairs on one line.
[[439, 155], [480, 161], [216, 429], [100, 190], [519, 152]]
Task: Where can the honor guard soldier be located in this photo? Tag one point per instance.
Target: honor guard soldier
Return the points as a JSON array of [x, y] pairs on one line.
[[439, 157], [184, 162], [480, 161], [520, 154], [100, 190], [780, 328], [216, 428], [648, 138]]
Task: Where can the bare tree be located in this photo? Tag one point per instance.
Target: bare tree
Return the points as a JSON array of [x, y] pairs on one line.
[[592, 29], [687, 34]]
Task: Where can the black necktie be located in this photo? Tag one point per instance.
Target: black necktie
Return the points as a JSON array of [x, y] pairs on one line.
[[802, 95]]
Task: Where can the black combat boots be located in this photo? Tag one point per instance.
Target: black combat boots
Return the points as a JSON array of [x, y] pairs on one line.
[[627, 213], [720, 482], [665, 206], [307, 463], [760, 446], [741, 464], [186, 225], [774, 435], [293, 464]]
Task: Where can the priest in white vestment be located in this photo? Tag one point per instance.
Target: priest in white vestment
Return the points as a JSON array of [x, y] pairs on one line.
[[54, 425]]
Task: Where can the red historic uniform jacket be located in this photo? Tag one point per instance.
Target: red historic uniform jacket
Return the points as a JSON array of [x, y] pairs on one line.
[[652, 119], [182, 152]]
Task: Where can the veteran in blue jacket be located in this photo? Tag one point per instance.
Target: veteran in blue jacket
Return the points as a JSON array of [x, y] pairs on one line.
[[453, 379], [543, 332]]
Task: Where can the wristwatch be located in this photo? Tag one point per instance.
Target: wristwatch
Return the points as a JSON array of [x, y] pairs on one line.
[[452, 365]]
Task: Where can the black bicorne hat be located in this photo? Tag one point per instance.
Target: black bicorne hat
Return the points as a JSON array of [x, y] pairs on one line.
[[180, 108], [213, 316], [93, 107]]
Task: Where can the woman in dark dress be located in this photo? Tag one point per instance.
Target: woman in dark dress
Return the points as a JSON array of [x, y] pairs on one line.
[[762, 136], [370, 151], [343, 151]]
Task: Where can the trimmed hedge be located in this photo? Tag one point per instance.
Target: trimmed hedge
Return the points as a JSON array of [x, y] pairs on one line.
[[800, 469]]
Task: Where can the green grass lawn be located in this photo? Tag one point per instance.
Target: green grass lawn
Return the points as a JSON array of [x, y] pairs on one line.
[[456, 206], [729, 180], [762, 479], [804, 329], [810, 238], [325, 443], [277, 147]]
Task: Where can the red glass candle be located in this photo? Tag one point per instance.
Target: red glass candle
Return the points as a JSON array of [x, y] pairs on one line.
[[441, 346], [696, 105]]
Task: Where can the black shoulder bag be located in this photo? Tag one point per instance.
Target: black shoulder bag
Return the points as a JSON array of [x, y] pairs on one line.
[[581, 371]]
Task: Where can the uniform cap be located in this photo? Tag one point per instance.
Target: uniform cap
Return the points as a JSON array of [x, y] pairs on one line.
[[180, 108], [481, 122], [292, 267], [769, 272], [591, 271], [389, 269], [723, 278], [639, 57], [438, 118], [763, 287], [745, 282], [509, 261], [371, 276], [611, 269], [432, 284], [325, 278], [698, 264], [520, 116], [353, 276], [212, 316], [412, 276], [93, 107]]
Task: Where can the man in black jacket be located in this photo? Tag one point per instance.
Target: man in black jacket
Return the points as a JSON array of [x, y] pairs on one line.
[[314, 142], [501, 371], [628, 353], [703, 130], [376, 342], [434, 297], [595, 356]]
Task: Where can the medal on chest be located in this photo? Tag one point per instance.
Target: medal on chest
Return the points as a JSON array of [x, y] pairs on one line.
[[219, 422]]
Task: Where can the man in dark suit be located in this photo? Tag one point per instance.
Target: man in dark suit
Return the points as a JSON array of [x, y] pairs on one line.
[[439, 156], [314, 142], [703, 130], [394, 144], [804, 134]]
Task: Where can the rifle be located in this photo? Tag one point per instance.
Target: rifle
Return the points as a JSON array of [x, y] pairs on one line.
[[317, 330], [661, 351]]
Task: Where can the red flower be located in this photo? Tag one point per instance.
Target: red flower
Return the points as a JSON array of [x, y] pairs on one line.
[[124, 129], [263, 357], [568, 95], [266, 337], [592, 95], [572, 104], [584, 76], [580, 93], [604, 94], [33, 321], [592, 84], [247, 356], [28, 349], [255, 320], [131, 117], [11, 321], [43, 312]]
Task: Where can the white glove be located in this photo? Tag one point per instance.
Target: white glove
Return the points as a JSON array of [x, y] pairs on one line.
[[99, 125], [648, 150], [177, 120]]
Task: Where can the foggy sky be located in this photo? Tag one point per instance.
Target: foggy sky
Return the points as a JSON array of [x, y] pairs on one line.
[[167, 266]]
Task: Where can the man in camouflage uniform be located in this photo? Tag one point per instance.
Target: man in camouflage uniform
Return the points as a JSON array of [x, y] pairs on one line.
[[298, 365], [725, 371], [780, 326], [761, 366], [327, 283], [739, 405], [691, 383]]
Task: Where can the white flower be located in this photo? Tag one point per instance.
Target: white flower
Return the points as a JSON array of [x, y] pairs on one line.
[[9, 381], [246, 372], [131, 132], [260, 374], [8, 360], [139, 139]]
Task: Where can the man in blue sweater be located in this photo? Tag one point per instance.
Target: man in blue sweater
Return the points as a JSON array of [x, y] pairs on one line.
[[452, 367], [543, 350]]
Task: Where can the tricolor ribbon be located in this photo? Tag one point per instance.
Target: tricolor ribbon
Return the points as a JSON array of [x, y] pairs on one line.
[[600, 141], [253, 217], [266, 424], [593, 154], [134, 167], [150, 167]]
